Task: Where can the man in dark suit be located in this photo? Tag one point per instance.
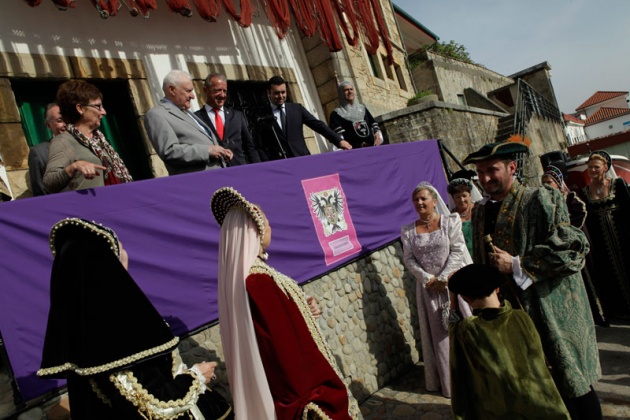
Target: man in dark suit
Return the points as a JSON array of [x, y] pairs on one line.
[[280, 134], [181, 139], [38, 155], [228, 124]]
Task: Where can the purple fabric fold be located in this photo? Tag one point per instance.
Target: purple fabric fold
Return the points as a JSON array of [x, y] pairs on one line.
[[172, 238]]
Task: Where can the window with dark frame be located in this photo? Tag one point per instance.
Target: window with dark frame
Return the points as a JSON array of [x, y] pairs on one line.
[[120, 126], [375, 65], [400, 77], [388, 68]]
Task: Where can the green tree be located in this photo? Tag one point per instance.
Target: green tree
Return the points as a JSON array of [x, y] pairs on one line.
[[451, 49]]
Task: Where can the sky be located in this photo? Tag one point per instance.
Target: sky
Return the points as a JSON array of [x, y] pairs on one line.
[[587, 43]]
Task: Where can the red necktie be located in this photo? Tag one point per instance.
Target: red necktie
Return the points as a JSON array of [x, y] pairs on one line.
[[218, 122]]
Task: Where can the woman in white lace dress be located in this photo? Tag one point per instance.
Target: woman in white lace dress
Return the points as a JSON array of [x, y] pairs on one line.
[[433, 249]]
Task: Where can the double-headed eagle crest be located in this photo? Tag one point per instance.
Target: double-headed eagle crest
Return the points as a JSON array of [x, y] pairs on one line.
[[328, 206]]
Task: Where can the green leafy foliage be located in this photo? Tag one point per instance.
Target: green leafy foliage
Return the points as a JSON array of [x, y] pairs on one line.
[[451, 49], [419, 95]]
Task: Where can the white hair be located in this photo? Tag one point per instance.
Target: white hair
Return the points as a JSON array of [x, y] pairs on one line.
[[174, 78]]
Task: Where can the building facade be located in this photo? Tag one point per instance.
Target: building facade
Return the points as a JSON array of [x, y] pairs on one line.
[[127, 58], [605, 113]]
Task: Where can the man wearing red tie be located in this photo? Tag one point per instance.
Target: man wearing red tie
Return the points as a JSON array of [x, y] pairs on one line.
[[181, 139], [228, 124]]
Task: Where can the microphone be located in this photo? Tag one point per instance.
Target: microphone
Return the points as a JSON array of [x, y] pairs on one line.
[[265, 118]]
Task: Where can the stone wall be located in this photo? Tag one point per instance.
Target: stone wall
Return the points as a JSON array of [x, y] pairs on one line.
[[546, 136], [387, 90], [369, 319], [464, 130], [448, 78], [539, 78]]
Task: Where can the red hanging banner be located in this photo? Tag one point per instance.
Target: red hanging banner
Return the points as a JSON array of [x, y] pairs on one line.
[[208, 9], [354, 17], [182, 7], [245, 17]]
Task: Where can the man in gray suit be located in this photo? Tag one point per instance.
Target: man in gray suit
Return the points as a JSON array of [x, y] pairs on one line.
[[38, 155], [182, 140]]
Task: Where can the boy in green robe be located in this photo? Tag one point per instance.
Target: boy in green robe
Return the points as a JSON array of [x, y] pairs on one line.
[[498, 368]]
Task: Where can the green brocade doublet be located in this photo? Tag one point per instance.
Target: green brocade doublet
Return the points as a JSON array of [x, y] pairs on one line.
[[498, 369], [533, 223]]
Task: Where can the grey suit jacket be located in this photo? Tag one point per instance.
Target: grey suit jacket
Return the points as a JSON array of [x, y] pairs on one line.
[[178, 140], [37, 160]]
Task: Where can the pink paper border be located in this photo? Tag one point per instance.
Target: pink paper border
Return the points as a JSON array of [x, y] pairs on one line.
[[336, 236]]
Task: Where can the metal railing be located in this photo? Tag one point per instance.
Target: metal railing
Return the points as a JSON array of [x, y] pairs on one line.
[[529, 102]]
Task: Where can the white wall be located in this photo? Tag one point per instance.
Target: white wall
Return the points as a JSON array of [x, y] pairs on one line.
[[604, 128], [163, 42], [575, 133]]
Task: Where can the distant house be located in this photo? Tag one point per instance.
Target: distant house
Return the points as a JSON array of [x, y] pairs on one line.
[[605, 113], [574, 129]]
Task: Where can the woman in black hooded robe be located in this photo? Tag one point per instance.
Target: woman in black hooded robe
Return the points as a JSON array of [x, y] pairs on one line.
[[105, 337]]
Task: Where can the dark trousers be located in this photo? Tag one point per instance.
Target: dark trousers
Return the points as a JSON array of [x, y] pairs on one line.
[[585, 407]]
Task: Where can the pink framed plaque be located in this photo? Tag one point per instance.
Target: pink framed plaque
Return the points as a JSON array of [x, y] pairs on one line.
[[329, 211]]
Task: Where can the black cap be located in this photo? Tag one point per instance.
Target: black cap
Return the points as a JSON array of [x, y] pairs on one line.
[[496, 150], [475, 281]]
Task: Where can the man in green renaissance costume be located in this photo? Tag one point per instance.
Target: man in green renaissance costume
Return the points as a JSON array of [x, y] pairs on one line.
[[536, 247]]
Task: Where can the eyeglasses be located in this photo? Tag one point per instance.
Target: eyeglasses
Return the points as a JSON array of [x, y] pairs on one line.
[[95, 106]]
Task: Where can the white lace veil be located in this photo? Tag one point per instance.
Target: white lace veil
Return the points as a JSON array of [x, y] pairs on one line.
[[441, 206], [442, 210], [238, 248]]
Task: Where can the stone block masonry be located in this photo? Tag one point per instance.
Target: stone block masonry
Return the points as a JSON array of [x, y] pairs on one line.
[[369, 319]]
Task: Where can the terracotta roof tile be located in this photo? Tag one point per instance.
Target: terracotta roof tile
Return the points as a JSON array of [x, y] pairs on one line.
[[600, 96], [571, 118], [604, 114]]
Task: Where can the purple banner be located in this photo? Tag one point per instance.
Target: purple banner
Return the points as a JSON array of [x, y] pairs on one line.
[[172, 238]]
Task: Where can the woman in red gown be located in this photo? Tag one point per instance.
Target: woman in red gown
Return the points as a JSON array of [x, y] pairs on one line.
[[278, 362]]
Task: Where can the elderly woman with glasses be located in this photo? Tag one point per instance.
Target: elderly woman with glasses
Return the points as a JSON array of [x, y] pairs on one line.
[[81, 157]]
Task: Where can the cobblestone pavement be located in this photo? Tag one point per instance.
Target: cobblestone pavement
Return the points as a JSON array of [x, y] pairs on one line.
[[407, 398]]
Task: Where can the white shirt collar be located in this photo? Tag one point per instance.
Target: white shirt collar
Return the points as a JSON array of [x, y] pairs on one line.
[[211, 109]]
